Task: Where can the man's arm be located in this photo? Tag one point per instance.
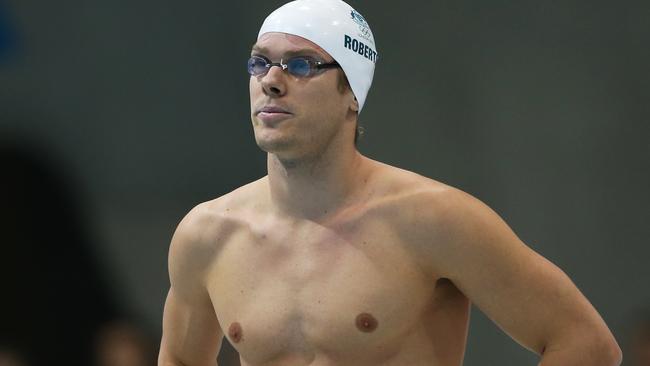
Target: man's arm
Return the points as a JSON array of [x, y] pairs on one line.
[[531, 299], [191, 333]]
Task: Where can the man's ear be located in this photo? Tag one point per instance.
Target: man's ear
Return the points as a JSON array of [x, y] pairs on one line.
[[355, 105]]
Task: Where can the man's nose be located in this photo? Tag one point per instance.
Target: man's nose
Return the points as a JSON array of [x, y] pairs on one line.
[[273, 82]]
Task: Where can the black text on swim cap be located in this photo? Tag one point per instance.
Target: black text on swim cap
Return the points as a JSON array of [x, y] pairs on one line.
[[360, 48]]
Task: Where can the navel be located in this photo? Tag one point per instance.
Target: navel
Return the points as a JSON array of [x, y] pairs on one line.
[[235, 332], [366, 322]]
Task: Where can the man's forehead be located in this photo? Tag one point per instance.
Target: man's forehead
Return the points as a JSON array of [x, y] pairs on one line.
[[287, 44]]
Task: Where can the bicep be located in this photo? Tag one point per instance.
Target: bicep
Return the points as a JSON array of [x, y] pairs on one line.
[[191, 333], [530, 298]]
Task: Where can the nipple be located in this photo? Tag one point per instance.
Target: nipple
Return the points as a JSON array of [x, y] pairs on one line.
[[235, 332], [366, 322]]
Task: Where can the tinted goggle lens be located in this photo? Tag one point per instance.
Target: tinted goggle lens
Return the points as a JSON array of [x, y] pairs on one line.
[[257, 66], [297, 66]]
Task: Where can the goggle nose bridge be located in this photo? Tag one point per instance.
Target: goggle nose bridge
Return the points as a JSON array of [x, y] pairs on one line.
[[281, 64]]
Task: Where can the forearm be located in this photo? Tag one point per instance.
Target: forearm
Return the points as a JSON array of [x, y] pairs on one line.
[[583, 350], [165, 359]]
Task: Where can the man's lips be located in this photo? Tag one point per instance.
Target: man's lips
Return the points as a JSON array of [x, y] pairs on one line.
[[271, 114], [272, 109]]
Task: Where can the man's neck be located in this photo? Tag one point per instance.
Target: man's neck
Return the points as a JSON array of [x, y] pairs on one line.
[[315, 188]]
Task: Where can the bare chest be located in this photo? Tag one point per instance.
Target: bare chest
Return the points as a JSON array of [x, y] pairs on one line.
[[283, 294]]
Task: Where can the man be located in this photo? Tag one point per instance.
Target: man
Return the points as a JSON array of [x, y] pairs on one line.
[[336, 259]]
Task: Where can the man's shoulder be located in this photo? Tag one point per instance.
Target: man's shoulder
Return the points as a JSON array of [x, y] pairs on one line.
[[210, 224], [403, 189], [426, 207], [434, 219], [233, 203]]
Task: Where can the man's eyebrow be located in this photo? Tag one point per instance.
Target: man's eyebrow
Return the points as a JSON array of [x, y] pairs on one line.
[[302, 51], [259, 49]]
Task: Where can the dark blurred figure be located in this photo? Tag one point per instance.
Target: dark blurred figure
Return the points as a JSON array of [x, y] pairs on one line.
[[10, 358], [639, 352], [124, 344], [53, 298]]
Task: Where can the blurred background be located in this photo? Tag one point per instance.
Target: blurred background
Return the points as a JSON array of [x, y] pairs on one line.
[[117, 117]]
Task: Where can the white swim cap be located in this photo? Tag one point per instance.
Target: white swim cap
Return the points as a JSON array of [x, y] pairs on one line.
[[338, 29]]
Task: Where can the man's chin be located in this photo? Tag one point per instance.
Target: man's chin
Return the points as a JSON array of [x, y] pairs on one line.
[[273, 145]]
